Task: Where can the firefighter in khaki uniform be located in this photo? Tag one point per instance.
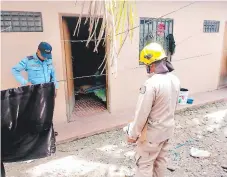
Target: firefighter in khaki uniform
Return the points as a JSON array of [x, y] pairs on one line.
[[154, 123]]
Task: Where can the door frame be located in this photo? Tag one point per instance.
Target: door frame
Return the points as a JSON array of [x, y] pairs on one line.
[[223, 69], [61, 16]]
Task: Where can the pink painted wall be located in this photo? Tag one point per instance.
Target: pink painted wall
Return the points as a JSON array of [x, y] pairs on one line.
[[197, 74]]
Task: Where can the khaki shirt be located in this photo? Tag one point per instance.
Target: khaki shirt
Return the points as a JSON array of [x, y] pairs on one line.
[[156, 105]]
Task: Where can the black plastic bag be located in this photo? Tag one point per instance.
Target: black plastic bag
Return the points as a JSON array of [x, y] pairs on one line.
[[27, 122], [3, 174]]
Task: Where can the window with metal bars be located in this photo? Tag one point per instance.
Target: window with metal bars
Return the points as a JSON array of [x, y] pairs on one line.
[[14, 21], [155, 30], [211, 26]]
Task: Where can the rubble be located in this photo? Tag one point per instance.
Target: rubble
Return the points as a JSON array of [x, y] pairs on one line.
[[194, 152], [28, 161], [210, 129], [224, 166], [172, 168]]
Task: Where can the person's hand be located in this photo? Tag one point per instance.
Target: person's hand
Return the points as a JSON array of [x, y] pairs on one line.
[[56, 91], [129, 140]]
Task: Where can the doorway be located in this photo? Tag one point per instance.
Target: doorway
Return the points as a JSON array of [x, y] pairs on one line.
[[85, 71]]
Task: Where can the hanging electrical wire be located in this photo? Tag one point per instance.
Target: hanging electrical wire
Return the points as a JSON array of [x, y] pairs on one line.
[[130, 29], [142, 66], [115, 13]]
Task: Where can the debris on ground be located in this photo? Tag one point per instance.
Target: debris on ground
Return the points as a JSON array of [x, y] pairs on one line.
[[28, 161], [224, 167], [210, 129], [194, 152], [172, 168]]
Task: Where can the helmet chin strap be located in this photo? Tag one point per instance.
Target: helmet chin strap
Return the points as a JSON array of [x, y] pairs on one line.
[[150, 69]]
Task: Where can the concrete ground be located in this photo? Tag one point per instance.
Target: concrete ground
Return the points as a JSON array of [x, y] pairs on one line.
[[108, 154]]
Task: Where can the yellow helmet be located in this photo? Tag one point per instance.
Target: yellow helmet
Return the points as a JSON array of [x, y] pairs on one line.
[[151, 53]]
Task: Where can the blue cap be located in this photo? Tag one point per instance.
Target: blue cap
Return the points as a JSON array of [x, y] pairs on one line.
[[45, 50]]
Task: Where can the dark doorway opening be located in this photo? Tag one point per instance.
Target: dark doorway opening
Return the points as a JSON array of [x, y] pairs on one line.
[[89, 87]]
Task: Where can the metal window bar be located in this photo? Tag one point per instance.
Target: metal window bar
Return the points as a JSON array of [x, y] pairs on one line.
[[149, 31], [17, 21]]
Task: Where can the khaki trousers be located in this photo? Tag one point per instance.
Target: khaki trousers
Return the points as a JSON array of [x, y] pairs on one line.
[[151, 159]]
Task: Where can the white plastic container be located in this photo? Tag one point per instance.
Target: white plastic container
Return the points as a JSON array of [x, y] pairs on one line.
[[183, 96]]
